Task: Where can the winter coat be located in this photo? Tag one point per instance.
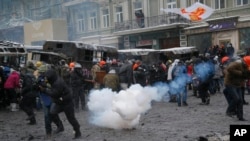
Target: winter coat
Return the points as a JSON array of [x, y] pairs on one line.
[[28, 85], [95, 69], [170, 69], [236, 74], [76, 78], [45, 99], [218, 71], [111, 80], [1, 78], [12, 81], [114, 67], [126, 73], [59, 91]]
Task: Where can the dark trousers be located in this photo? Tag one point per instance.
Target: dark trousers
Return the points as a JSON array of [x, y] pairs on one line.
[[12, 95], [49, 118], [78, 95], [68, 109], [27, 105], [236, 103], [203, 92]]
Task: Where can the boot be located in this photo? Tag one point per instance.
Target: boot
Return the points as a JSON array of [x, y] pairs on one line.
[[207, 100], [60, 128], [30, 117], [32, 121], [185, 104], [48, 137], [13, 107], [77, 134]]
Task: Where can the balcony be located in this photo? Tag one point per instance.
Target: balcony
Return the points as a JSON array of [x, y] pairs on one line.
[[146, 22]]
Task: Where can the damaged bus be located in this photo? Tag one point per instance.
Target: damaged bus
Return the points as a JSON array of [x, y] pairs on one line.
[[12, 54], [85, 54]]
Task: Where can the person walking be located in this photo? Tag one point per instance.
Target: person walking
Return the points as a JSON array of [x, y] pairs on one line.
[[236, 73], [77, 85], [28, 96], [46, 105], [126, 75], [62, 98], [11, 86], [98, 68], [180, 77]]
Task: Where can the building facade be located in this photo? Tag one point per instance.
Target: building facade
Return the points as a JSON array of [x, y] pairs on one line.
[[230, 23], [132, 23], [14, 14]]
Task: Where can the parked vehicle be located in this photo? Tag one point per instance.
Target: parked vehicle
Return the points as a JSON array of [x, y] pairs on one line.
[[12, 54], [85, 54]]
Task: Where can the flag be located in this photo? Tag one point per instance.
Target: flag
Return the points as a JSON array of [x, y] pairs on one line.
[[195, 12]]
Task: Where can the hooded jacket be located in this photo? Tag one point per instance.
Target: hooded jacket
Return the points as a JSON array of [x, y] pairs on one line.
[[59, 91], [236, 73]]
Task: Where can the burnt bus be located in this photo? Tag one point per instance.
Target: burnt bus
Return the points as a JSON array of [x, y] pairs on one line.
[[85, 54], [12, 54], [151, 56]]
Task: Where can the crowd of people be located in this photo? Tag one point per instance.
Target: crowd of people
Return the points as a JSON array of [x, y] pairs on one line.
[[64, 88]]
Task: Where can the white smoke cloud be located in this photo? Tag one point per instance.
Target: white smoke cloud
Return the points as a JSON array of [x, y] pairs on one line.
[[121, 110]]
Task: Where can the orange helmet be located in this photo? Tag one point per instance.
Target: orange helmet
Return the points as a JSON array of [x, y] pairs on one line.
[[72, 65], [102, 63], [224, 59], [247, 60]]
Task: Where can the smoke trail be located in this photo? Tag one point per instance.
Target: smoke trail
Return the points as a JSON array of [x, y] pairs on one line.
[[123, 110]]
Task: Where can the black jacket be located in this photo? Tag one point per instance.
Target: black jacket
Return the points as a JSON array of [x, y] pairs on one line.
[[76, 78], [126, 73], [59, 91], [28, 85]]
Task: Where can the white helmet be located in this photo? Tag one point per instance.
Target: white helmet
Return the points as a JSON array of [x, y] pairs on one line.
[[77, 65]]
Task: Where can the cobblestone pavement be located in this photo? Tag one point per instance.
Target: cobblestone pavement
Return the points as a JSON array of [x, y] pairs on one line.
[[163, 122]]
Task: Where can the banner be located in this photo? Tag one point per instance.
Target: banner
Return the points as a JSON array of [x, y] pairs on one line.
[[195, 12]]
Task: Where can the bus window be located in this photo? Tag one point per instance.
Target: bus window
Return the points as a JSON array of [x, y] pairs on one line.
[[88, 56]]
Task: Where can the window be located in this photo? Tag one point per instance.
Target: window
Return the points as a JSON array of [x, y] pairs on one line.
[[241, 2], [201, 1], [93, 20], [137, 6], [219, 4], [105, 18], [119, 14], [171, 4], [80, 23]]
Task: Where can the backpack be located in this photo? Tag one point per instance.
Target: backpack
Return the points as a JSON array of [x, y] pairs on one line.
[[28, 85]]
